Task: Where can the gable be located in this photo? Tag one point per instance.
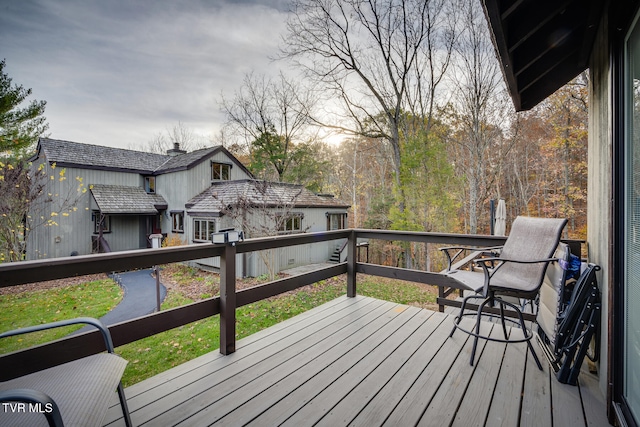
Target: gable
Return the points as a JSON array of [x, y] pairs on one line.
[[194, 158]]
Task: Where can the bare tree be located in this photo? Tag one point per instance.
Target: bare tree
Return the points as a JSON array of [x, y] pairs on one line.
[[382, 61], [179, 134], [158, 144], [271, 116], [265, 209], [480, 101]]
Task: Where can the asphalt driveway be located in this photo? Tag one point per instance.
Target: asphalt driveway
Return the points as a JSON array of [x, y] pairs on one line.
[[139, 297]]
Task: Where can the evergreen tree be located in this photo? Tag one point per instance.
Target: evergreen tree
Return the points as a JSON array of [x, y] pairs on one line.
[[19, 127]]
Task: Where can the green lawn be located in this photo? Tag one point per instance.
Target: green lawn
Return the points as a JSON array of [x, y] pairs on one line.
[[92, 299], [152, 355]]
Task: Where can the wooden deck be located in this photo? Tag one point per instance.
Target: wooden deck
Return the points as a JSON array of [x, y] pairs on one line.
[[365, 362]]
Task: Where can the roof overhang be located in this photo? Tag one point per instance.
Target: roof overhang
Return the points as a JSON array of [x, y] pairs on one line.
[[126, 200], [541, 44]]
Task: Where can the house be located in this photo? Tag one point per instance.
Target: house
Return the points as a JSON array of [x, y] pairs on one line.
[[130, 195], [542, 46]]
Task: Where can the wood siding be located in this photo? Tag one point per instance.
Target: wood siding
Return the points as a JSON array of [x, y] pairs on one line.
[[600, 185], [73, 233]]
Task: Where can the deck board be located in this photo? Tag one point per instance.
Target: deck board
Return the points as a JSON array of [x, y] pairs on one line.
[[505, 403], [451, 392], [566, 405], [218, 392], [398, 364], [332, 392], [410, 376], [282, 397], [473, 411], [287, 410], [363, 362], [592, 400]]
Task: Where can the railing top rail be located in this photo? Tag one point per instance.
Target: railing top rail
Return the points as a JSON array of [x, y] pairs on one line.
[[272, 242], [17, 273], [436, 237], [431, 237]]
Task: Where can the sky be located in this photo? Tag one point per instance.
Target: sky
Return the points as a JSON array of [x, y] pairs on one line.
[[119, 72]]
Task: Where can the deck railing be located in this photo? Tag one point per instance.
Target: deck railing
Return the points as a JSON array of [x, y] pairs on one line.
[[80, 345]]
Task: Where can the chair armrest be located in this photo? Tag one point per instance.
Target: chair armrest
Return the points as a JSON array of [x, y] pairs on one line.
[[25, 395], [471, 248], [460, 250], [80, 320], [481, 261]]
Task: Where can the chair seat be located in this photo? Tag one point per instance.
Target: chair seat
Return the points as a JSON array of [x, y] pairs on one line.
[[473, 280], [500, 284], [81, 389]]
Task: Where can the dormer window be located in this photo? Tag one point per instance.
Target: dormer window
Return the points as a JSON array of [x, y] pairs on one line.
[[220, 171], [150, 184]]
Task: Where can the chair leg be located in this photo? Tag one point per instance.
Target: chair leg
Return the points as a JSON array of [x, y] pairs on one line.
[[524, 331], [124, 406], [477, 329], [504, 325], [458, 318]]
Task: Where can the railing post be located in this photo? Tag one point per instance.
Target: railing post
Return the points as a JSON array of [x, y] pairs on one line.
[[228, 300], [351, 264]]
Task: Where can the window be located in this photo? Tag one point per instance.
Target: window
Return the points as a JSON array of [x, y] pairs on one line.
[[177, 222], [202, 229], [289, 223], [220, 171], [150, 184], [101, 221], [336, 221]]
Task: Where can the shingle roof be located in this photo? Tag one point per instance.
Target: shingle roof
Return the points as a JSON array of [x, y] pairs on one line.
[[67, 153], [183, 161], [222, 195], [121, 199]]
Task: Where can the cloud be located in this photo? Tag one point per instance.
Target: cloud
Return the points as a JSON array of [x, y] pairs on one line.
[[118, 72]]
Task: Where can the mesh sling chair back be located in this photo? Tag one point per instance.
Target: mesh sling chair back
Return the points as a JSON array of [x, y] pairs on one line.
[[76, 393], [517, 272]]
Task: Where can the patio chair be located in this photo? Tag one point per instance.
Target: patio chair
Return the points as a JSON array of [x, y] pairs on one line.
[[517, 272], [565, 329], [77, 393]]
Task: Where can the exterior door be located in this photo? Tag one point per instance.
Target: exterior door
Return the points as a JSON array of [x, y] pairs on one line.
[[631, 244]]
